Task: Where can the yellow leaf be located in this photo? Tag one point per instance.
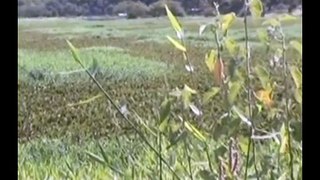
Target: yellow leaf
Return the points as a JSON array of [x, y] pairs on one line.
[[211, 60], [177, 44], [227, 21], [185, 56], [194, 131], [210, 94], [174, 22], [74, 52], [85, 101], [256, 8], [265, 96], [188, 89], [232, 47]]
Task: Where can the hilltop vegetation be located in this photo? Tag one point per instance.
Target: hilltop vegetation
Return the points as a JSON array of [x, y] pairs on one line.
[[143, 8]]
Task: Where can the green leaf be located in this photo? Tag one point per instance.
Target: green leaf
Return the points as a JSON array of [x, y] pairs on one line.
[[176, 137], [284, 176], [259, 107], [263, 76], [256, 8], [244, 144], [251, 161], [174, 22], [174, 126], [85, 101], [284, 139], [210, 94], [234, 91], [242, 51], [297, 130], [164, 114], [298, 95], [194, 131], [278, 52], [206, 175], [177, 44], [211, 59], [165, 110], [74, 52], [70, 169], [186, 95], [273, 22], [263, 36], [219, 152], [176, 93], [204, 27], [226, 21], [233, 67], [297, 76], [105, 158], [232, 47], [297, 46], [103, 153], [96, 158], [145, 125], [241, 116]]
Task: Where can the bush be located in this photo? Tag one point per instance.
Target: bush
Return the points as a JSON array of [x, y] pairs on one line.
[[33, 11], [209, 11], [133, 9], [109, 9], [71, 10], [157, 9]]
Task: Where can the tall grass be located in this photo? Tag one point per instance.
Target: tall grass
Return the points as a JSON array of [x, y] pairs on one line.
[[183, 140]]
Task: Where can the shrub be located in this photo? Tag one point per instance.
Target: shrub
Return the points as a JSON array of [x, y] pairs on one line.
[[133, 9], [157, 9], [109, 9], [33, 11], [209, 11], [71, 10]]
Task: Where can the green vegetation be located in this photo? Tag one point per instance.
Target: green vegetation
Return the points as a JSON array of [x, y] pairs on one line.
[[141, 8], [69, 130]]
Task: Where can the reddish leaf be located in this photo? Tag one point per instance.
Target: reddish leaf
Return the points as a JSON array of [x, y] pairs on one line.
[[219, 72]]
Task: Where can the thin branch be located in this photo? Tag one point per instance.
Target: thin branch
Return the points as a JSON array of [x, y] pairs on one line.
[[285, 72], [249, 95], [131, 123]]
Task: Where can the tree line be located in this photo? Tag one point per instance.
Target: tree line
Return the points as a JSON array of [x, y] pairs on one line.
[[138, 8]]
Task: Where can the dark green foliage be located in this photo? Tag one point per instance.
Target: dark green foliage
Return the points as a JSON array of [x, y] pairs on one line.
[[157, 9], [43, 8], [133, 9], [209, 11]]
